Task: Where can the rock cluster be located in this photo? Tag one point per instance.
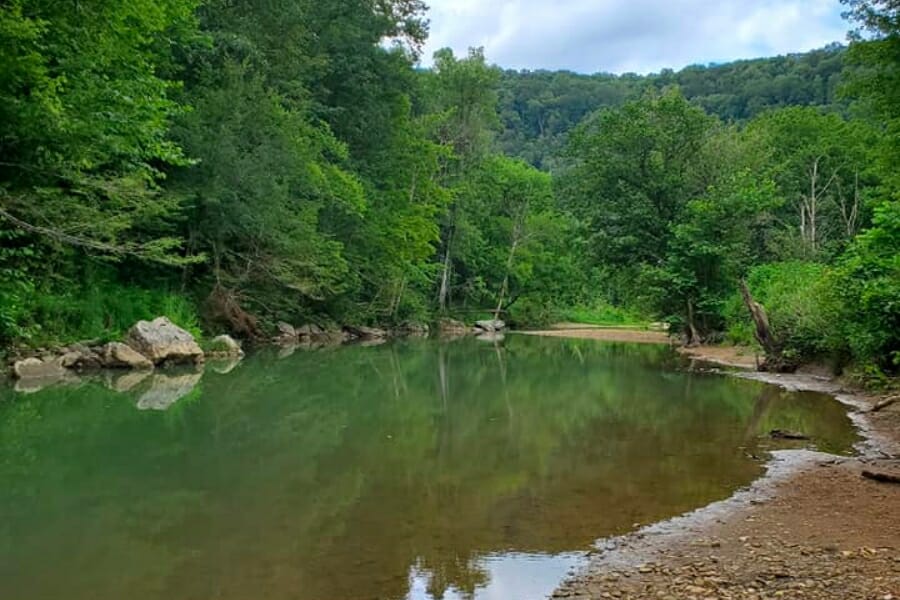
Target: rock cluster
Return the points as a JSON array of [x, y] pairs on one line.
[[313, 335], [490, 326], [147, 344]]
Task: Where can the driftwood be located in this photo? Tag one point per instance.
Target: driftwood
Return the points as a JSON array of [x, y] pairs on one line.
[[783, 434], [881, 477], [881, 405], [775, 360]]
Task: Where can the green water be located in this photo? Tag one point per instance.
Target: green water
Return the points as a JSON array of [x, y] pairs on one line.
[[414, 470]]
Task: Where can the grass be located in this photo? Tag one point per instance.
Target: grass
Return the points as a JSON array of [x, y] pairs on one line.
[[104, 312], [604, 315]]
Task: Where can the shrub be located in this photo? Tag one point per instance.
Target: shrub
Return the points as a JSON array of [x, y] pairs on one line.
[[795, 297]]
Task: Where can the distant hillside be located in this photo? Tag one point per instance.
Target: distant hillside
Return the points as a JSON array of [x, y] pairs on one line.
[[538, 108]]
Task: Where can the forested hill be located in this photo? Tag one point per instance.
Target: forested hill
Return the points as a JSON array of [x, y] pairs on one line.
[[538, 108], [235, 164]]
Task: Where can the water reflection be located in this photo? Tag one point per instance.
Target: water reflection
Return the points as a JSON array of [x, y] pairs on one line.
[[499, 577], [411, 470]]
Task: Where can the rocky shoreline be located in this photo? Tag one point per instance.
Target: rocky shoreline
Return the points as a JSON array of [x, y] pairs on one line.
[[160, 344], [812, 527]]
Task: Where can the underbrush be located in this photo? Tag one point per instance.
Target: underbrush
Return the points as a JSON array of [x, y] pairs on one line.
[[603, 314], [100, 311]]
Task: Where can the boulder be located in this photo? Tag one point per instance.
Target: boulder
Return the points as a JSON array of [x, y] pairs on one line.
[[366, 333], [81, 357], [491, 325], [162, 341], [452, 327], [34, 374], [412, 329], [35, 368], [225, 345], [286, 330], [117, 355], [287, 334]]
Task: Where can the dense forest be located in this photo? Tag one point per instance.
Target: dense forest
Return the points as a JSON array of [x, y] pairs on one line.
[[539, 108], [231, 164]]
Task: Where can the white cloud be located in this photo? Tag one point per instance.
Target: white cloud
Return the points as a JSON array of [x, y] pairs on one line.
[[631, 35]]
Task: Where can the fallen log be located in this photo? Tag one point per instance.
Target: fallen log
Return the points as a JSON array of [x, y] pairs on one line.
[[881, 405], [783, 434], [881, 477]]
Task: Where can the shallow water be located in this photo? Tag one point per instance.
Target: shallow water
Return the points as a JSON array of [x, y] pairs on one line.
[[409, 471]]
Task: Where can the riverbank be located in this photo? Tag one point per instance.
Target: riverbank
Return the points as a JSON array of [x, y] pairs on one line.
[[730, 356], [813, 527], [636, 335]]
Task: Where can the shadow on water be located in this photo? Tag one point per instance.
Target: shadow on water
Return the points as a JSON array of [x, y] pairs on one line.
[[412, 470]]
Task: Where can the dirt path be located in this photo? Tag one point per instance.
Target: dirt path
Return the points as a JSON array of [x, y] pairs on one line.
[[812, 528]]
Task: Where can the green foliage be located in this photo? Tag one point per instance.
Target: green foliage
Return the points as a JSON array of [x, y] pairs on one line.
[[16, 284], [540, 108], [866, 290], [97, 308], [83, 121], [288, 161], [820, 162], [255, 199], [633, 170], [603, 314], [712, 247], [795, 295]]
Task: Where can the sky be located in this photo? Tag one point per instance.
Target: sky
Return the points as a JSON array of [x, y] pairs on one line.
[[640, 36]]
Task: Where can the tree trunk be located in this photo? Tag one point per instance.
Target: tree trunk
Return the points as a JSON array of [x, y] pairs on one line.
[[445, 277], [693, 334], [505, 286], [775, 360]]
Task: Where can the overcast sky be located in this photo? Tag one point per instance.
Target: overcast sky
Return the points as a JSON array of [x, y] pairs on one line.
[[639, 36]]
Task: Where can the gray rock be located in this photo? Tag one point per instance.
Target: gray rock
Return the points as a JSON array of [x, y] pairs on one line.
[[287, 334], [79, 356], [286, 329], [366, 333], [34, 374], [412, 329], [452, 327], [490, 325], [117, 355], [162, 341], [35, 368], [225, 345], [71, 359]]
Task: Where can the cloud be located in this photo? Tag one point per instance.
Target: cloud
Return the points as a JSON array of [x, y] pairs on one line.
[[639, 36]]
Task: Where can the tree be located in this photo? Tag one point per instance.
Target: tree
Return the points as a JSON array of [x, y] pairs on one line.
[[820, 162], [84, 119], [633, 171], [463, 91], [713, 247], [265, 175]]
